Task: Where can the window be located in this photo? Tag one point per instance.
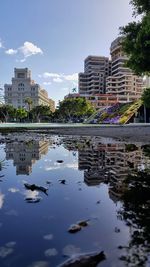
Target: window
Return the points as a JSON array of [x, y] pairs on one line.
[[21, 84], [21, 75]]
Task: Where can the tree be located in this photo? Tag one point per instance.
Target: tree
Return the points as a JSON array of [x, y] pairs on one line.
[[41, 110], [7, 112], [74, 108], [146, 101], [136, 38], [135, 212], [146, 97], [29, 101], [140, 6], [1, 97], [21, 114]]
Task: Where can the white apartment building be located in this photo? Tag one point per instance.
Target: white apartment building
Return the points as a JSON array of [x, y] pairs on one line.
[[122, 80], [93, 80], [23, 87]]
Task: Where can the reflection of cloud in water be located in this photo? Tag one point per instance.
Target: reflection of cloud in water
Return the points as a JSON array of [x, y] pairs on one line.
[[72, 165], [71, 250], [48, 160], [50, 252], [57, 166], [13, 190], [48, 237], [31, 194], [10, 244], [12, 213], [7, 249], [39, 264], [1, 200], [50, 168]]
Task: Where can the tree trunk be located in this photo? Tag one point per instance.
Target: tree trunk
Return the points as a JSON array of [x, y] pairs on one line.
[[144, 114]]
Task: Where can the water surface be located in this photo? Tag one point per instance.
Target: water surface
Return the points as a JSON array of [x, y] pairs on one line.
[[84, 177]]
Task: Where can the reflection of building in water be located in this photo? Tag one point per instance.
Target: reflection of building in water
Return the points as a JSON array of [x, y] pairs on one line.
[[110, 162], [125, 159], [92, 160], [24, 154]]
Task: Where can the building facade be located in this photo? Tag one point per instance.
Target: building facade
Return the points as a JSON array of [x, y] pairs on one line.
[[25, 154], [122, 80], [105, 82], [23, 87], [93, 80]]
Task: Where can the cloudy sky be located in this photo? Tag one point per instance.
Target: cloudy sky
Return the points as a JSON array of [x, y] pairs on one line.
[[53, 37]]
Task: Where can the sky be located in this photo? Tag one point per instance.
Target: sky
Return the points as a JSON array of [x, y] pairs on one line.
[[53, 37]]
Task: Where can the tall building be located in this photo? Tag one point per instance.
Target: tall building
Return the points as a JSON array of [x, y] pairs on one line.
[[146, 81], [25, 154], [122, 80], [23, 87], [93, 80]]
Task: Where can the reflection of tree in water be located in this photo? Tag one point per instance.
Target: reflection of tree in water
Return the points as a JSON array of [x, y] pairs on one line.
[[2, 164], [136, 213]]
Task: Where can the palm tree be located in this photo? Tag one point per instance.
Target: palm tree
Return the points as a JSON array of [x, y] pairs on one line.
[[29, 101]]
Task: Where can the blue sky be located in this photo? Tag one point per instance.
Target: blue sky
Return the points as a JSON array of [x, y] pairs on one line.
[[53, 37]]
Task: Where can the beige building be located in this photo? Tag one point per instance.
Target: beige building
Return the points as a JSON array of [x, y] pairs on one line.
[[106, 82], [122, 80], [23, 87], [93, 80], [25, 154]]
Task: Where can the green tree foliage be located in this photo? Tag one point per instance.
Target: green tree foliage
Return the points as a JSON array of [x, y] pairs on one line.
[[74, 107], [136, 39], [39, 111], [146, 97], [135, 212], [7, 112], [140, 6], [21, 113]]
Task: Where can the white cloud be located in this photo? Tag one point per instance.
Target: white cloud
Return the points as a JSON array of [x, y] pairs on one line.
[[72, 165], [1, 44], [31, 194], [58, 77], [51, 168], [48, 237], [22, 60], [1, 200], [50, 75], [11, 51], [39, 264], [47, 83], [13, 190], [28, 49], [71, 250], [4, 252], [72, 77], [50, 252], [7, 249], [57, 80]]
